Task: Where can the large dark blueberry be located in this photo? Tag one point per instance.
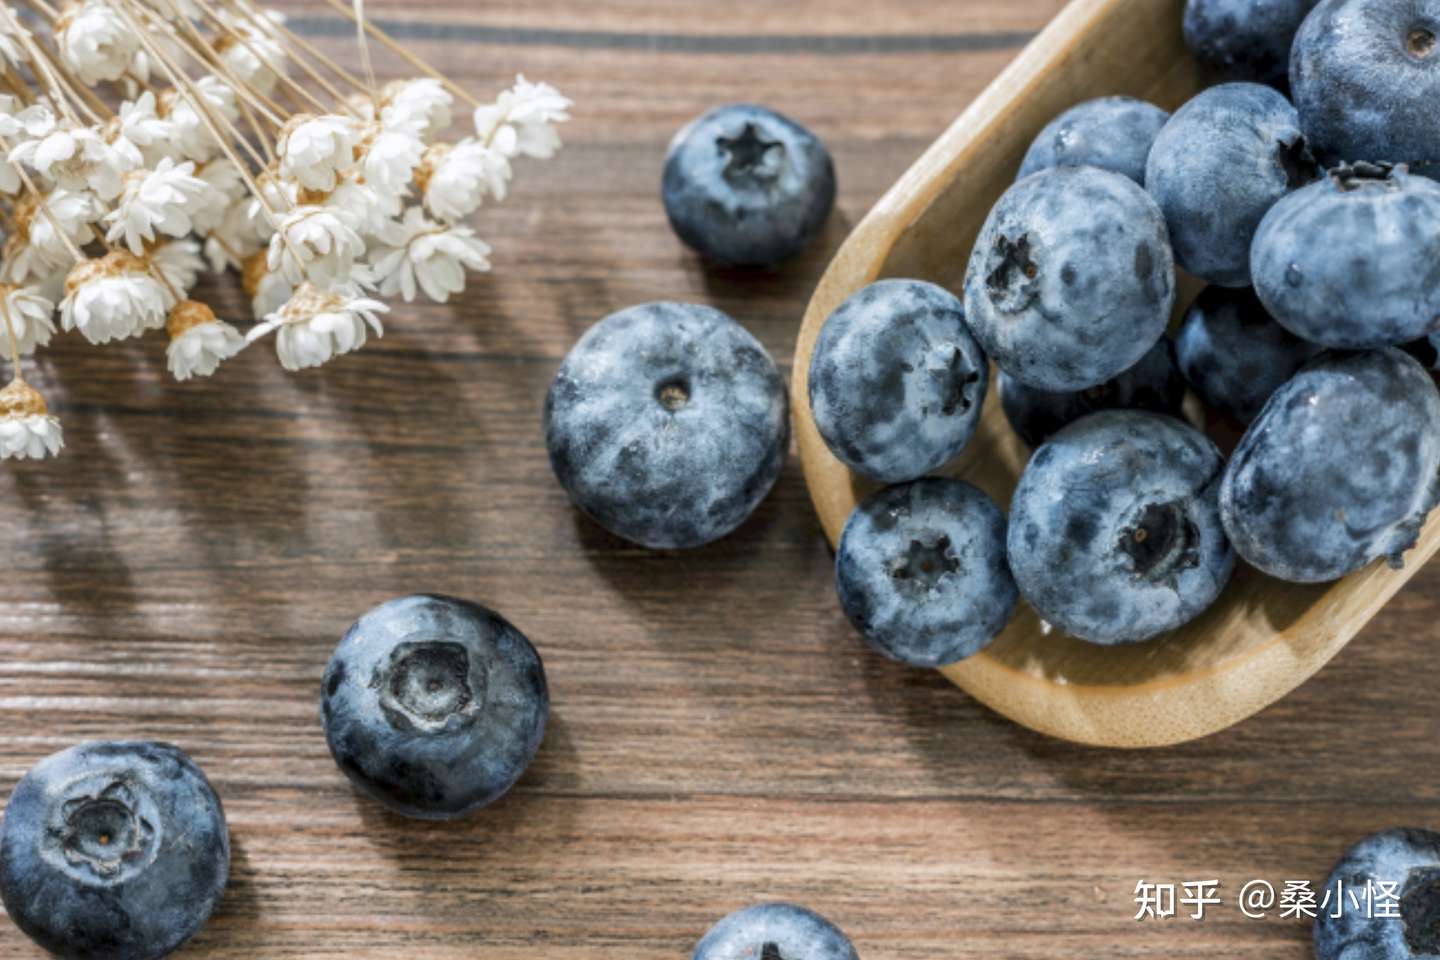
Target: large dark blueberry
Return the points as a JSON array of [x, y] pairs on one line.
[[1339, 468], [1114, 530], [1234, 353], [921, 571], [1153, 384], [1071, 280], [1245, 39], [1353, 261], [897, 381], [774, 931], [434, 706], [1365, 75], [744, 185], [113, 851], [1407, 862], [1112, 133], [1218, 166], [667, 424]]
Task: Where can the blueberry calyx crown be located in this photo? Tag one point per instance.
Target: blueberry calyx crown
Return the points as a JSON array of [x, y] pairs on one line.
[[1420, 911], [1421, 43], [769, 951], [1297, 162], [430, 686], [106, 830], [1355, 176], [751, 157], [1011, 280], [956, 381], [925, 564], [673, 393], [1162, 541]]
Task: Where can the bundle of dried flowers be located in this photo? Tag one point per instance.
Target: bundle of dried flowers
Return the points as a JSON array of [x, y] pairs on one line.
[[144, 141]]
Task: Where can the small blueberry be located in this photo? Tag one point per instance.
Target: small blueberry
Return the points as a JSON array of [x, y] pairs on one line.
[[1221, 162], [897, 381], [1365, 75], [921, 571], [113, 851], [1234, 354], [1342, 466], [1245, 39], [1153, 384], [1071, 280], [774, 931], [744, 185], [667, 424], [1403, 860], [1114, 533], [1112, 133], [1353, 260], [434, 706]]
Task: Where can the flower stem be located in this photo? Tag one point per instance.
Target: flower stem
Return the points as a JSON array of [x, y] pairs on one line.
[[411, 58]]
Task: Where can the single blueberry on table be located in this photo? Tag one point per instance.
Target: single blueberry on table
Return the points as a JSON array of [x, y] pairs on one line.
[[434, 706], [1071, 280], [1219, 165], [1341, 467], [1245, 39], [1353, 260], [921, 571], [1234, 354], [774, 931], [896, 380], [667, 424], [1365, 75], [747, 186], [1153, 384], [1114, 533], [1112, 133], [1407, 861], [113, 850]]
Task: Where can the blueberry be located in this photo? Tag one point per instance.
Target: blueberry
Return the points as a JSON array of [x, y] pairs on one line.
[[434, 706], [113, 850], [1353, 261], [1071, 280], [774, 931], [667, 424], [921, 571], [1365, 75], [1221, 162], [896, 380], [1245, 39], [1153, 384], [1114, 532], [1112, 133], [1234, 353], [746, 186], [1407, 861], [1339, 468]]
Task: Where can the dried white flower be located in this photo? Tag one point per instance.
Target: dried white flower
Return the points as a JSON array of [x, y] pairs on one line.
[[520, 121], [157, 200], [234, 239], [139, 122], [112, 298], [179, 262], [314, 151], [224, 186], [35, 248], [430, 255], [454, 180], [254, 55], [314, 242], [369, 212], [267, 290], [76, 158], [389, 161], [420, 108], [198, 341], [315, 325], [31, 316], [190, 137], [26, 427], [95, 42]]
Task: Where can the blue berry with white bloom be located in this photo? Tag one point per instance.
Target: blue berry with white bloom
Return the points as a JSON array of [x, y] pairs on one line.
[[774, 931]]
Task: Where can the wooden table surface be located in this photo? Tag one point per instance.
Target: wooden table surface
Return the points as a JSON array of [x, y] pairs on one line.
[[718, 736]]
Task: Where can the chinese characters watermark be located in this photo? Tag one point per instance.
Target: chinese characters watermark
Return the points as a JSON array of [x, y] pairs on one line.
[[1258, 899]]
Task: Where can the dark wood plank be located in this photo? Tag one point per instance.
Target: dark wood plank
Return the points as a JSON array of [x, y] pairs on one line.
[[719, 735]]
